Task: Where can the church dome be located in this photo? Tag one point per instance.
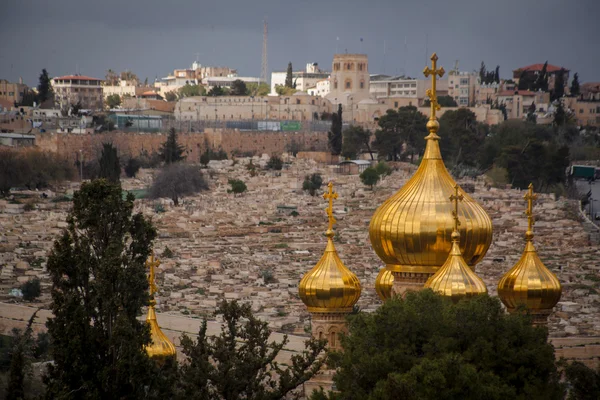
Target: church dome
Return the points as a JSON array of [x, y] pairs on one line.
[[160, 346], [384, 283], [529, 282], [329, 287]]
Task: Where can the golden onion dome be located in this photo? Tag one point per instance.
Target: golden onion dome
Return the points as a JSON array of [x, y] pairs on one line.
[[329, 287], [529, 282], [384, 283], [411, 231], [160, 346]]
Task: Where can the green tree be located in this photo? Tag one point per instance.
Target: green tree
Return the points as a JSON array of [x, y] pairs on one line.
[[443, 101], [334, 136], [559, 85], [132, 167], [531, 115], [312, 183], [482, 72], [560, 115], [171, 96], [110, 168], [112, 101], [99, 286], [526, 81], [31, 289], [369, 177], [191, 90], [216, 91], [575, 90], [275, 163], [44, 87], [424, 346], [237, 187], [407, 126], [584, 382], [541, 83], [461, 136], [20, 361], [289, 76], [238, 88], [356, 140], [497, 74], [258, 89], [383, 169], [171, 151], [177, 180], [240, 362], [283, 90]]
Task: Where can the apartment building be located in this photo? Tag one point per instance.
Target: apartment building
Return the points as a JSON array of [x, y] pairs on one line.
[[303, 79], [518, 102], [123, 89], [12, 92], [73, 89], [461, 87]]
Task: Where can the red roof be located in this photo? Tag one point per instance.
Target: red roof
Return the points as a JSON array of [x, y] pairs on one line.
[[518, 92], [79, 77], [538, 67]]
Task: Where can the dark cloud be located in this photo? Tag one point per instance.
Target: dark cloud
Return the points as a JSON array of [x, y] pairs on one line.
[[152, 37]]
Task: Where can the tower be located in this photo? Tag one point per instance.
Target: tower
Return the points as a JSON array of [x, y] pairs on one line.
[[349, 80], [264, 71], [411, 232], [455, 279], [529, 282], [329, 289], [160, 346]]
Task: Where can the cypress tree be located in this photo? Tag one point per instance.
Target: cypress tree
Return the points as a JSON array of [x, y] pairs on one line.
[[559, 85], [44, 87], [171, 151], [334, 136], [110, 169], [288, 76], [575, 85]]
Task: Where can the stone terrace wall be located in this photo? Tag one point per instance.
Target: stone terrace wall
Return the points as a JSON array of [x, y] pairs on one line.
[[133, 144]]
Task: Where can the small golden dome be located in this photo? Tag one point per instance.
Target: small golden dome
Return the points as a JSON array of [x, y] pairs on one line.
[[411, 230], [455, 279], [160, 346], [330, 287], [529, 282], [384, 283]]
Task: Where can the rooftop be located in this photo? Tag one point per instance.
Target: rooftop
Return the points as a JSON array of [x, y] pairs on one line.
[[517, 92], [538, 67]]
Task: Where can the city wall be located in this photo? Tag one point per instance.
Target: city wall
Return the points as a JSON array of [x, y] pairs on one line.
[[134, 144]]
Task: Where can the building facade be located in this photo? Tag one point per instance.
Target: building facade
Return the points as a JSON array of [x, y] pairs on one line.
[[123, 89], [462, 87], [519, 102], [74, 89], [349, 80], [302, 79], [533, 71], [12, 92]]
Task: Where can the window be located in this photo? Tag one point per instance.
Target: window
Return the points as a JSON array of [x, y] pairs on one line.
[[581, 111], [463, 101], [297, 101], [464, 81], [362, 84], [395, 104], [360, 66], [348, 84]]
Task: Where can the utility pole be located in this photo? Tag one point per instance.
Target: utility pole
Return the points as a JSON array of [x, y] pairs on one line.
[[264, 67]]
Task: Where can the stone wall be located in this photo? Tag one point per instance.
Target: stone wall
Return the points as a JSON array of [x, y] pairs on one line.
[[132, 144]]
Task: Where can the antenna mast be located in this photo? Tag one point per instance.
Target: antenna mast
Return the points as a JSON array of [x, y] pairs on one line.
[[264, 68]]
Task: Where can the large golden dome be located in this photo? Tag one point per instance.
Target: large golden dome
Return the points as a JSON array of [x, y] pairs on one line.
[[384, 283], [330, 287], [529, 282], [411, 230]]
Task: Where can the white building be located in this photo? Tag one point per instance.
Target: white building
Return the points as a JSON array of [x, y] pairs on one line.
[[322, 88], [303, 79], [123, 89]]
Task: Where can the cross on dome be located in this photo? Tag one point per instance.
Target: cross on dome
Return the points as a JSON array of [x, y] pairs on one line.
[[330, 195], [431, 93]]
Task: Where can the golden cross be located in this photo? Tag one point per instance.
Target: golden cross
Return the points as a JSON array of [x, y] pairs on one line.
[[331, 195], [455, 198], [152, 263], [431, 93], [530, 197]]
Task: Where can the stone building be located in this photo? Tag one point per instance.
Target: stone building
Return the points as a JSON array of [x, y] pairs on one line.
[[12, 92], [349, 80], [73, 89], [533, 71]]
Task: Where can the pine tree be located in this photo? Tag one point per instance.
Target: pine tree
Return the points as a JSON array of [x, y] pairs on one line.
[[44, 87], [171, 151], [334, 136], [541, 83], [482, 72], [110, 169], [497, 74], [99, 286], [288, 76], [559, 85], [575, 85], [20, 361]]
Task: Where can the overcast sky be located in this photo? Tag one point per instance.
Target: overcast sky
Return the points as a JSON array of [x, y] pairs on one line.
[[153, 37]]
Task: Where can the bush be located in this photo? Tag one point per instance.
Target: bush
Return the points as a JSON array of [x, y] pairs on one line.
[[167, 252], [369, 177], [312, 183], [275, 163], [159, 208], [31, 289], [383, 169], [237, 187], [132, 167], [29, 206], [267, 276], [176, 180]]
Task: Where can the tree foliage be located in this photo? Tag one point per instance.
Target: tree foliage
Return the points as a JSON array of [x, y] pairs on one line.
[[283, 90], [237, 187], [110, 168], [190, 90], [575, 90], [426, 347], [584, 382], [44, 87], [559, 85], [171, 96], [275, 163], [132, 167], [334, 136], [112, 101], [20, 361], [177, 180], [171, 151], [97, 269], [487, 77], [401, 133], [443, 101], [356, 140], [217, 91], [238, 88], [31, 289], [370, 177], [257, 89], [240, 362], [461, 136], [312, 183], [288, 76], [383, 169]]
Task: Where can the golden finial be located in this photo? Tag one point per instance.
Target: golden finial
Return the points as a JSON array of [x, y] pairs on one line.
[[455, 198], [530, 197], [431, 93], [151, 264], [330, 195]]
